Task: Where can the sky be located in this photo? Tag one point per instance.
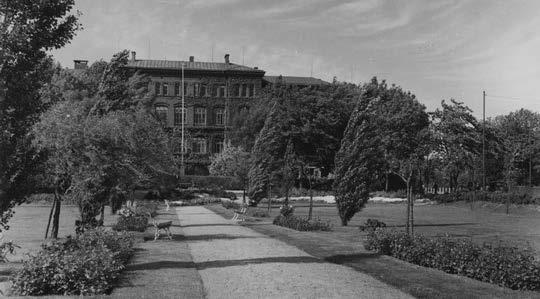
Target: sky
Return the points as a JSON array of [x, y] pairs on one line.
[[436, 49]]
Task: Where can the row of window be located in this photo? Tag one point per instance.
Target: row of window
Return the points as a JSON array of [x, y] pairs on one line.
[[203, 90], [199, 146], [199, 115]]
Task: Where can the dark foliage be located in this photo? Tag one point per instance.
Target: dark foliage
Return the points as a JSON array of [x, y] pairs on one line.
[[372, 225], [302, 224], [503, 265]]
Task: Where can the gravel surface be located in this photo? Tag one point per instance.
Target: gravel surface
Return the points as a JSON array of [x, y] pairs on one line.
[[237, 262]]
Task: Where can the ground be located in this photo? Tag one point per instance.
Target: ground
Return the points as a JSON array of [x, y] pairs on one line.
[[211, 256]]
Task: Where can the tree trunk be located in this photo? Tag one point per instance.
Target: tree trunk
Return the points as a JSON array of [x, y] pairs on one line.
[[244, 195], [386, 182], [310, 201], [102, 215], [269, 200], [412, 214], [56, 217], [408, 207], [50, 217]]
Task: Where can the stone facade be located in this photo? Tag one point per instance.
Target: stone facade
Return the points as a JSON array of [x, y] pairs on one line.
[[213, 93]]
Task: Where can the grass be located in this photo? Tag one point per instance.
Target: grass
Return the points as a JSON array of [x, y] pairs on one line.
[[457, 219]]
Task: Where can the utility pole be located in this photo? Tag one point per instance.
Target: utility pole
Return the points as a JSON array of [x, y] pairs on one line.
[[484, 141]]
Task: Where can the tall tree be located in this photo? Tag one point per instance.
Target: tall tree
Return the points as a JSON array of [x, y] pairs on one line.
[[385, 133], [28, 29]]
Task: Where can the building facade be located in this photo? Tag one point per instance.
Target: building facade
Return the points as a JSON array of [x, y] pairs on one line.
[[213, 93]]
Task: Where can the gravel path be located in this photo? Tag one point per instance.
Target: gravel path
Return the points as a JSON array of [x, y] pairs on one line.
[[237, 262]]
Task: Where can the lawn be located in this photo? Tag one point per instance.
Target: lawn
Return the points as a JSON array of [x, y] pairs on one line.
[[482, 224], [27, 227]]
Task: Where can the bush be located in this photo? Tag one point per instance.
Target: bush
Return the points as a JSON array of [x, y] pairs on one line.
[[230, 205], [260, 214], [302, 224], [211, 182], [131, 223], [286, 210], [372, 224], [503, 265], [145, 208], [86, 265]]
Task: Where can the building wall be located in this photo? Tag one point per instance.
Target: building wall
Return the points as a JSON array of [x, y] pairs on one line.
[[211, 132]]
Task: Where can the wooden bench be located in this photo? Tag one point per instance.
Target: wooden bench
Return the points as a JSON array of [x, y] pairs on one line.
[[240, 215]]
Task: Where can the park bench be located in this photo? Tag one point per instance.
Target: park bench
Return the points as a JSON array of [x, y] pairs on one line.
[[161, 226], [240, 215]]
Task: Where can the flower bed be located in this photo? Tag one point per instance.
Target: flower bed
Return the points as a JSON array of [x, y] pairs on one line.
[[506, 266], [87, 264]]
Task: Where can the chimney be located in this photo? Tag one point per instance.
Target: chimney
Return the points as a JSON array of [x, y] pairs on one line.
[[133, 55], [191, 58], [80, 64], [227, 59]]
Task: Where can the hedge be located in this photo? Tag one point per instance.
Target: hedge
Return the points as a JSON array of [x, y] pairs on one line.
[[302, 224], [517, 197], [504, 265]]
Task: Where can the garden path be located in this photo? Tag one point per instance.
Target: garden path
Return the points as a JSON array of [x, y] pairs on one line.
[[237, 262]]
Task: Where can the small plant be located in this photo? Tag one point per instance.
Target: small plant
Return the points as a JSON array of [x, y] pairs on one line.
[[286, 210], [227, 204], [372, 224], [302, 224], [6, 248], [260, 213]]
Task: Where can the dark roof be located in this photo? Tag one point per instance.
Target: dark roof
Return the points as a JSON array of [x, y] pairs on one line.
[[291, 80], [190, 65]]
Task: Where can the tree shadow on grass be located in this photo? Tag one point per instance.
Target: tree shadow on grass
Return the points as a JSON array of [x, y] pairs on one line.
[[347, 258], [222, 263]]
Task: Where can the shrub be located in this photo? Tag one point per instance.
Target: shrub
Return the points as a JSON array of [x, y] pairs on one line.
[[144, 208], [507, 266], [230, 205], [302, 224], [372, 224], [516, 197], [86, 265], [260, 213], [132, 223], [286, 210]]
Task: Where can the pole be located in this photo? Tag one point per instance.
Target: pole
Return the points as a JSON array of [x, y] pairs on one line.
[[484, 141], [183, 168]]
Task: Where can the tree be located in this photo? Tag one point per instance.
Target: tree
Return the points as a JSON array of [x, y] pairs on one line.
[[233, 162], [28, 29], [386, 132], [312, 121]]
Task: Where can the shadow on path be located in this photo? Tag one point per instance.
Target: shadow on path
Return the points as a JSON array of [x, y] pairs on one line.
[[222, 263], [183, 238], [435, 224]]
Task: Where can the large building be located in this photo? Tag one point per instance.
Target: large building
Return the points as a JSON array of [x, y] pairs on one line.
[[213, 93]]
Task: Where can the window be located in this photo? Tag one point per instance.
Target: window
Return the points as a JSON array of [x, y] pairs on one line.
[[243, 90], [199, 117], [165, 89], [196, 89], [161, 112], [218, 147], [157, 88], [235, 90], [251, 90], [203, 91], [176, 88], [179, 116], [220, 116], [221, 91], [199, 146], [186, 89]]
